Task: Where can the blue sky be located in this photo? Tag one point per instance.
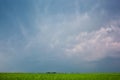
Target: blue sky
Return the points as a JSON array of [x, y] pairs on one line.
[[59, 35]]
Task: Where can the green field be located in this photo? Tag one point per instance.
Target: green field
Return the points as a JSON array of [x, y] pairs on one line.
[[62, 76]]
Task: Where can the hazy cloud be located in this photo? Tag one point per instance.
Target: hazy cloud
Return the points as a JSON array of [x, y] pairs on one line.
[[58, 35], [96, 45]]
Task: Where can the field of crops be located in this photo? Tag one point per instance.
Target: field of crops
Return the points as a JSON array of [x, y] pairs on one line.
[[45, 76]]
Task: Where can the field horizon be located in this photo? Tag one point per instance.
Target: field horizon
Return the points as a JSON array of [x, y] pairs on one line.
[[59, 39], [59, 76]]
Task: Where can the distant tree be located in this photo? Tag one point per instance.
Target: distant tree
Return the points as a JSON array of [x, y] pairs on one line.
[[51, 72]]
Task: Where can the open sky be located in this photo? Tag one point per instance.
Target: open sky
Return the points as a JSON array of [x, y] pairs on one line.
[[60, 35]]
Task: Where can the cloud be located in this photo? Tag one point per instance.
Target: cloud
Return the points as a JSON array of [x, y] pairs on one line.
[[99, 44], [7, 53], [51, 36]]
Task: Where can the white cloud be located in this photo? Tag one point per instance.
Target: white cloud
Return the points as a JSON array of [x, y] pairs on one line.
[[96, 45]]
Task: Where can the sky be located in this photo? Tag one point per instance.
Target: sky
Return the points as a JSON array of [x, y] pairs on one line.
[[59, 35]]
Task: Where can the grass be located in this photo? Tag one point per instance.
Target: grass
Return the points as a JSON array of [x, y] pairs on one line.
[[40, 76]]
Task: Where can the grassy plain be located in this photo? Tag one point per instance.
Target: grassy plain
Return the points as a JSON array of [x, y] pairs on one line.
[[59, 76]]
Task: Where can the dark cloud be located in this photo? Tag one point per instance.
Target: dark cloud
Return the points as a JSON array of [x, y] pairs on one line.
[[112, 7]]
